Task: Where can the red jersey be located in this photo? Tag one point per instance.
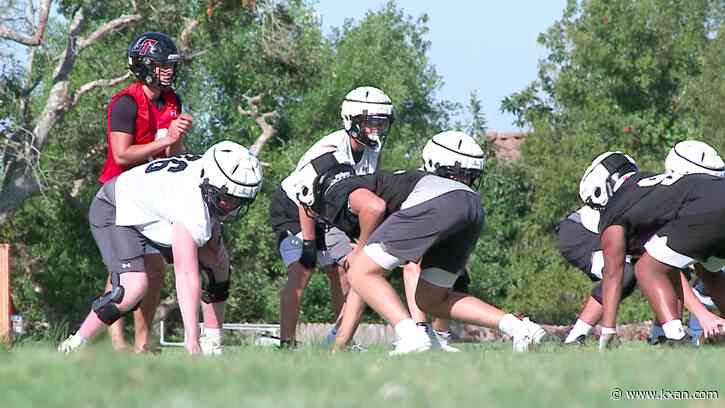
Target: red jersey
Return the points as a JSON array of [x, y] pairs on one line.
[[149, 120]]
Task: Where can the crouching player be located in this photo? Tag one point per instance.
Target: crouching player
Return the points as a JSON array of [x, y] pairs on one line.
[[678, 220], [174, 204], [579, 243], [411, 216]]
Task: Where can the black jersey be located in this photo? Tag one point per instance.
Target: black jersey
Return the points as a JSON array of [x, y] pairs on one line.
[[393, 187], [648, 201]]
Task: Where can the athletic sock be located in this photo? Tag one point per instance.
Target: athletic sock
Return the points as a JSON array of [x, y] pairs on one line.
[[212, 332], [509, 324], [580, 328], [674, 330]]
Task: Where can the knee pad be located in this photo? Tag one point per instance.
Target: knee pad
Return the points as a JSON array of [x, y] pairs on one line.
[[211, 290], [105, 306], [108, 313]]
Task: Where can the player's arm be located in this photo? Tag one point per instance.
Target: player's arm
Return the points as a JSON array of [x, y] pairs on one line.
[[614, 251], [127, 154], [188, 285], [712, 325], [123, 126], [309, 246], [370, 210]]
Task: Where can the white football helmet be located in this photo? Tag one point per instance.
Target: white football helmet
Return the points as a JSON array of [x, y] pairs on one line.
[[230, 179], [691, 156], [603, 177], [454, 155], [367, 114]]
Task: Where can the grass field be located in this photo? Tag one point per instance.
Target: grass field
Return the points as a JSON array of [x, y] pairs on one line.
[[487, 375]]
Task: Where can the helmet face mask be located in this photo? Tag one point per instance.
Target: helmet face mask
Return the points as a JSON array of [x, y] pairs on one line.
[[370, 130], [470, 177], [603, 177], [457, 156], [150, 56], [224, 206], [367, 115], [231, 178]]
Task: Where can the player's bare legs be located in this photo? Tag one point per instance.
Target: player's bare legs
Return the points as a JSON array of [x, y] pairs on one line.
[[135, 285], [291, 298], [368, 279], [656, 285], [591, 312], [441, 302], [143, 317]]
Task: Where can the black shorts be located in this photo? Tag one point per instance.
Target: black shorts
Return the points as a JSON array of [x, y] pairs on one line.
[[441, 233], [690, 238], [577, 244]]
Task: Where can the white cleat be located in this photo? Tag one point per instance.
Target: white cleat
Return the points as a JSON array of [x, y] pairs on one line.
[[439, 340], [536, 332], [211, 346], [74, 342], [528, 335], [417, 342]]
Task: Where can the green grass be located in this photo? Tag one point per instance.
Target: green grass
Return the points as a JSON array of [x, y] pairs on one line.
[[482, 376]]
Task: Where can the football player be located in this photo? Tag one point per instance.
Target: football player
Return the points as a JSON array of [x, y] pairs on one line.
[[411, 216], [145, 121], [367, 114], [579, 244], [676, 218], [173, 204], [442, 151]]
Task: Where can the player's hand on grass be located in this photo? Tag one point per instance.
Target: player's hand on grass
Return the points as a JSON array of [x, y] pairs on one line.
[[193, 348], [712, 325], [608, 339]]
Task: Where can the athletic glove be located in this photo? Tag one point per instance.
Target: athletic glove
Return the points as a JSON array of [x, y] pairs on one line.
[[308, 259], [608, 339]]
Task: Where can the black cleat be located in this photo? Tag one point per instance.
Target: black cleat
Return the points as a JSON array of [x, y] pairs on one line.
[[685, 341], [656, 341], [581, 340]]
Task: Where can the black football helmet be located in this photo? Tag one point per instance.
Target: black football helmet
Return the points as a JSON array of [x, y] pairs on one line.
[[150, 50]]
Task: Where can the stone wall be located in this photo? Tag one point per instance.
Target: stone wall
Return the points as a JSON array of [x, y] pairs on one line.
[[384, 334]]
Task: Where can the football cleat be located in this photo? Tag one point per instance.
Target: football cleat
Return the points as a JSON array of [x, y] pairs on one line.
[[417, 342], [439, 340], [211, 346]]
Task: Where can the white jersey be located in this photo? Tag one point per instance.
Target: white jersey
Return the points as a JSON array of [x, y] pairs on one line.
[[337, 143], [152, 197]]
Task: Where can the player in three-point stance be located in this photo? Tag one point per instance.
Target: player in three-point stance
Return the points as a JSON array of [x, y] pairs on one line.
[[174, 204], [411, 216]]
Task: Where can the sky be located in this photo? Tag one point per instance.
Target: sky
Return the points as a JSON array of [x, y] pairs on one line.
[[484, 45]]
